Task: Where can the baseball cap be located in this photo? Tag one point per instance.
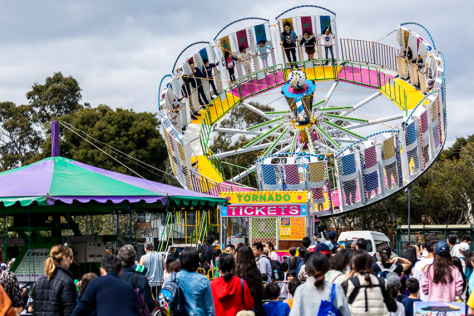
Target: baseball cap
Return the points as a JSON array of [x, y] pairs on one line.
[[322, 248], [442, 248], [464, 246], [393, 279], [332, 234]]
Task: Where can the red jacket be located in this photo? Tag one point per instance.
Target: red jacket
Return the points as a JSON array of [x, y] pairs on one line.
[[228, 296]]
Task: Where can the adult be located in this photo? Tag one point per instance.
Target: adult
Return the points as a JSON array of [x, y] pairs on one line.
[[196, 83], [338, 265], [302, 253], [332, 235], [10, 285], [409, 253], [207, 251], [465, 250], [288, 41], [155, 264], [327, 40], [195, 286], [230, 249], [207, 69], [293, 261], [367, 294], [455, 250], [421, 265], [231, 294], [441, 281], [396, 264], [451, 240], [308, 297], [246, 268], [128, 255], [457, 263], [271, 252], [306, 242], [263, 262], [108, 294], [55, 292]]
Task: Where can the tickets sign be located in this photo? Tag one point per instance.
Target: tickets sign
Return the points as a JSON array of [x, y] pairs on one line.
[[264, 210], [292, 228], [263, 197]]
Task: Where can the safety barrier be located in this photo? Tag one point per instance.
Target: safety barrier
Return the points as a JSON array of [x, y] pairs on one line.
[[369, 52], [205, 185]]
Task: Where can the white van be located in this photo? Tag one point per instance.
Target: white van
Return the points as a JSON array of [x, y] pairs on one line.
[[374, 240]]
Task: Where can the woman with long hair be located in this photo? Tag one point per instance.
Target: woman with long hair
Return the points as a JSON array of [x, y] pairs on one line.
[[409, 253], [55, 292], [293, 261], [366, 294], [457, 263], [387, 264], [442, 281], [246, 268], [271, 252], [309, 296], [231, 294]]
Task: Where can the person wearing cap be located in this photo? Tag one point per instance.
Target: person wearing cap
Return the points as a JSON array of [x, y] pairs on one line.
[[455, 249], [393, 287], [442, 281], [332, 237], [464, 248]]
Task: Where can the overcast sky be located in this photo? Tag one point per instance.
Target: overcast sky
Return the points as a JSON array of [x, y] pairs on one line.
[[119, 50]]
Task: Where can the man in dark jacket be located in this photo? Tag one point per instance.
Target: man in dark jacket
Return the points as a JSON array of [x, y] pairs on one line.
[[196, 83], [108, 294], [128, 255]]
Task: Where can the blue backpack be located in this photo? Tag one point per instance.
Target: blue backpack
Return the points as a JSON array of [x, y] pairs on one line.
[[327, 308], [173, 294]]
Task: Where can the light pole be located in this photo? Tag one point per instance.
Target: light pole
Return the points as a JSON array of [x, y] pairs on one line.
[[408, 214]]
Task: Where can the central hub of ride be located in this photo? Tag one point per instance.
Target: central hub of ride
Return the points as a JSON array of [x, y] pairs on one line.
[[298, 92]]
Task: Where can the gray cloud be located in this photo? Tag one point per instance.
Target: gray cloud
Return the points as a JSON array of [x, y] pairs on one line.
[[119, 50]]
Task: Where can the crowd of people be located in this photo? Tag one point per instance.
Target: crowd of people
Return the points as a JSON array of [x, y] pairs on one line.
[[315, 279]]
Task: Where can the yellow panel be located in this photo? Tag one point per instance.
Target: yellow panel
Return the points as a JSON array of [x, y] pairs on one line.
[[218, 108], [413, 96], [252, 197], [206, 169], [325, 203], [320, 73]]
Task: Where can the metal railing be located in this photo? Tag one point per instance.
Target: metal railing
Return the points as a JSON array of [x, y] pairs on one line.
[[249, 178], [369, 52], [205, 185]]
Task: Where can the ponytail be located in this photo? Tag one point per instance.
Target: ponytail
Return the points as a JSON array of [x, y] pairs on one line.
[[384, 252], [319, 280], [226, 265], [292, 262], [368, 279], [227, 276], [55, 257]]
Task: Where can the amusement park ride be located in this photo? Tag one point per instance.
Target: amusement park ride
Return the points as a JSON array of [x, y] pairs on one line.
[[313, 163]]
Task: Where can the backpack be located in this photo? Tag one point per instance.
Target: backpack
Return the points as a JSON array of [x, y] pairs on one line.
[[387, 299], [327, 307], [142, 307], [174, 296], [384, 271], [277, 274]]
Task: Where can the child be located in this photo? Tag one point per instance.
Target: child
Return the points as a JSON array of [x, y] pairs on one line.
[[409, 302], [393, 291], [86, 279], [230, 64], [245, 60], [327, 40], [275, 307], [294, 283], [207, 69], [262, 51], [284, 293], [309, 43]]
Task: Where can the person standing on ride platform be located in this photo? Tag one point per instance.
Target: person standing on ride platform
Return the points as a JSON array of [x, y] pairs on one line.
[[196, 82], [262, 50], [309, 43], [442, 281], [245, 60], [288, 40], [207, 69], [328, 40]]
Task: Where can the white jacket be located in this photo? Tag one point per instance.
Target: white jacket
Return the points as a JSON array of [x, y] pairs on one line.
[[375, 300]]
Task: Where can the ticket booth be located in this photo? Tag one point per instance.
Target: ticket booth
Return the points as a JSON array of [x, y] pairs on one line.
[[281, 217]]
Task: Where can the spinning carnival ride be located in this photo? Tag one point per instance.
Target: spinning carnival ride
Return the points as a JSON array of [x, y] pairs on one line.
[[312, 146]]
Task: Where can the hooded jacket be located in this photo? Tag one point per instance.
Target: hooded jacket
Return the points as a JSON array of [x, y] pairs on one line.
[[229, 298]]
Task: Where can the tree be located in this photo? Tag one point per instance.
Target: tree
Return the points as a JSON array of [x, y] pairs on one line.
[[134, 134], [58, 96], [19, 141]]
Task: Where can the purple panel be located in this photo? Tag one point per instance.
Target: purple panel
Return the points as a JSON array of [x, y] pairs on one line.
[[105, 199], [424, 122], [30, 181], [55, 139], [152, 186]]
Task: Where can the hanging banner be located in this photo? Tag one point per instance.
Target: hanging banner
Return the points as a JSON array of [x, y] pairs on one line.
[[225, 44], [260, 34], [203, 53], [264, 210], [292, 228], [255, 197], [325, 23], [242, 39], [306, 24]]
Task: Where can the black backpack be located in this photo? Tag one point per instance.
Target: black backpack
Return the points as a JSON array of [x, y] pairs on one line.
[[277, 274], [174, 296]]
